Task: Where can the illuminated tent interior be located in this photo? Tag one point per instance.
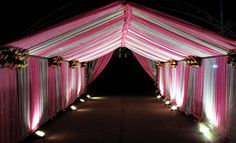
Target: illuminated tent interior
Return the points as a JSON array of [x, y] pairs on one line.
[[32, 95]]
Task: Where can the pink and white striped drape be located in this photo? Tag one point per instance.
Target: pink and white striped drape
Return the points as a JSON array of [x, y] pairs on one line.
[[39, 91], [198, 92], [152, 34], [35, 92], [220, 100], [9, 115], [99, 67], [201, 92], [146, 66]]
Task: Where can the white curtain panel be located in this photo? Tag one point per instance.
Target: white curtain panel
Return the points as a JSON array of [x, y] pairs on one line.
[[24, 102], [208, 90]]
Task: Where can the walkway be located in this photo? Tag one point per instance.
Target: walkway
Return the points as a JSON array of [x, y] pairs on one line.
[[121, 119]]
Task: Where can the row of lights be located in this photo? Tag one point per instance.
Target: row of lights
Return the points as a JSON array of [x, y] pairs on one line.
[[205, 129], [167, 102], [41, 134]]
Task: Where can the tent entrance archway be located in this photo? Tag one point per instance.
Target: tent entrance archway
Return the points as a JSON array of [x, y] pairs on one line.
[[123, 74]]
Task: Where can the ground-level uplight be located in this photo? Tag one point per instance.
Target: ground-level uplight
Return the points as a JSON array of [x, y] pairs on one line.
[[40, 133], [88, 96], [173, 108], [167, 102], [159, 97], [81, 100], [205, 130], [73, 107]]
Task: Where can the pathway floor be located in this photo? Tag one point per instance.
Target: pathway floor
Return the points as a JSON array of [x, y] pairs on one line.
[[121, 119]]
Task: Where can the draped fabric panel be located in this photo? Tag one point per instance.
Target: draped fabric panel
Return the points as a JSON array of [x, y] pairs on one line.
[[231, 103], [179, 97], [35, 93], [52, 92], [69, 85], [57, 86], [144, 62], [167, 82], [79, 81], [98, 67], [208, 91], [8, 106], [190, 92], [185, 90], [63, 86], [161, 80], [221, 94], [198, 92], [24, 102], [44, 87], [83, 80]]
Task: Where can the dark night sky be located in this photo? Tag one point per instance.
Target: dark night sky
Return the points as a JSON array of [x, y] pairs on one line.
[[19, 18]]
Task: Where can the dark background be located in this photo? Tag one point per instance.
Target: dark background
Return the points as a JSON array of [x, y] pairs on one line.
[[123, 75], [23, 17]]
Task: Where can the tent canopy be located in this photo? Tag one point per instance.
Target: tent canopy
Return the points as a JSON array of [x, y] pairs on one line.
[[147, 32]]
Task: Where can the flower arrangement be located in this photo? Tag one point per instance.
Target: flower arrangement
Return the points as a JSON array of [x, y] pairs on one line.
[[172, 63], [192, 61], [11, 57], [232, 58], [73, 63], [56, 61], [159, 64]]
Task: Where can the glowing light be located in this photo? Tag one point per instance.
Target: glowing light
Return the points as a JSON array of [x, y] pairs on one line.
[[98, 98], [40, 133], [88, 96], [167, 102], [173, 108], [159, 97], [35, 120], [82, 100], [205, 131], [215, 66], [73, 107]]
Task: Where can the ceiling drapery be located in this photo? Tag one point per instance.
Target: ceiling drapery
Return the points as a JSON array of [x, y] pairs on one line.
[[147, 32]]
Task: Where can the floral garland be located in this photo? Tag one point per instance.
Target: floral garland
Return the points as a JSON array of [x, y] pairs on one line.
[[172, 63], [159, 64], [192, 61], [232, 58], [11, 57], [73, 63], [56, 61]]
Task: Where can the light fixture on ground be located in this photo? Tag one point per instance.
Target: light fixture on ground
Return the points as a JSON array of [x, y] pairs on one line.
[[81, 100], [88, 96], [205, 131], [40, 133], [167, 102], [73, 107], [173, 108], [159, 97]]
